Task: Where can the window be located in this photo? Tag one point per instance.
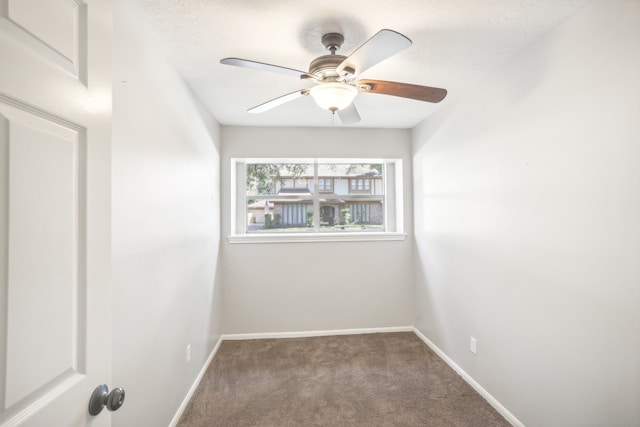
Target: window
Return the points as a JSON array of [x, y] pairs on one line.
[[294, 214], [361, 213], [360, 184], [316, 200], [325, 184]]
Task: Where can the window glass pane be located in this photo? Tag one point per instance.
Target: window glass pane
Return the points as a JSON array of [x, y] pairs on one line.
[[278, 197], [292, 198]]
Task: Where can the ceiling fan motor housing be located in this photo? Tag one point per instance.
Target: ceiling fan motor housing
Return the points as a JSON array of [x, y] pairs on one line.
[[324, 67]]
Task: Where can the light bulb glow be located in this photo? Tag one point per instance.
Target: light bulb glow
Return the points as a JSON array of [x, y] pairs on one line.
[[333, 96]]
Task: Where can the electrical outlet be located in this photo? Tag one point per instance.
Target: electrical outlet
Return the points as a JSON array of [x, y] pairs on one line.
[[473, 345], [187, 354]]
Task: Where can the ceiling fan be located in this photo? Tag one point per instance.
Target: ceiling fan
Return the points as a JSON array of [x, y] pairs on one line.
[[336, 76]]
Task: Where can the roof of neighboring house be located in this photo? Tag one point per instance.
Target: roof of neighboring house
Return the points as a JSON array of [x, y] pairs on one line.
[[297, 191], [305, 196], [332, 201], [259, 204]]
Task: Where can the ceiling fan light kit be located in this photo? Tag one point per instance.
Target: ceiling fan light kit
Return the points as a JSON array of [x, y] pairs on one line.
[[333, 96], [335, 76]]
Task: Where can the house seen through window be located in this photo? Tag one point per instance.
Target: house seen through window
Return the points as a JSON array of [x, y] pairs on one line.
[[306, 196]]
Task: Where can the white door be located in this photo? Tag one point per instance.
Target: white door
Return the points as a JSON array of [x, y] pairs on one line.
[[55, 113]]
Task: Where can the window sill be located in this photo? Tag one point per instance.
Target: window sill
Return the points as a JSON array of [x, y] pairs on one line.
[[315, 237]]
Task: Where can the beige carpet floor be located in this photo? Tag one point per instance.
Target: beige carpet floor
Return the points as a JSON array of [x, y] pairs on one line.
[[387, 379]]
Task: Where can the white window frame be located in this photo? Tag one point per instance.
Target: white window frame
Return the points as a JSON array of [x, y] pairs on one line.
[[393, 205]]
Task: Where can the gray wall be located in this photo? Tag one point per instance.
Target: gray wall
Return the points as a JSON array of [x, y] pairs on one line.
[[166, 222], [294, 287], [527, 223]]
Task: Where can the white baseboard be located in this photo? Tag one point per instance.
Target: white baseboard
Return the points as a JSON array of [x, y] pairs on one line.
[[477, 387], [302, 334], [194, 386]]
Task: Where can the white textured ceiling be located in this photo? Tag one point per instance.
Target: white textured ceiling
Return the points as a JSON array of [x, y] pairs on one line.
[[455, 43]]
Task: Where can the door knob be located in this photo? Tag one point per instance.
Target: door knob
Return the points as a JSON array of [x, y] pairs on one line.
[[102, 397]]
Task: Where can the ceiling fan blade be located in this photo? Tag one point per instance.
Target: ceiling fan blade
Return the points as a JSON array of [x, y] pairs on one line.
[[404, 90], [382, 45], [349, 115], [278, 101], [245, 63]]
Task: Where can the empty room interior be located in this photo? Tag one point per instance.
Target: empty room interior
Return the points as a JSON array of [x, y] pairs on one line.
[[505, 237]]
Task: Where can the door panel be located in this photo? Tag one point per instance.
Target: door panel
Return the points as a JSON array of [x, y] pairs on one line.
[[55, 325], [45, 230], [60, 38]]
